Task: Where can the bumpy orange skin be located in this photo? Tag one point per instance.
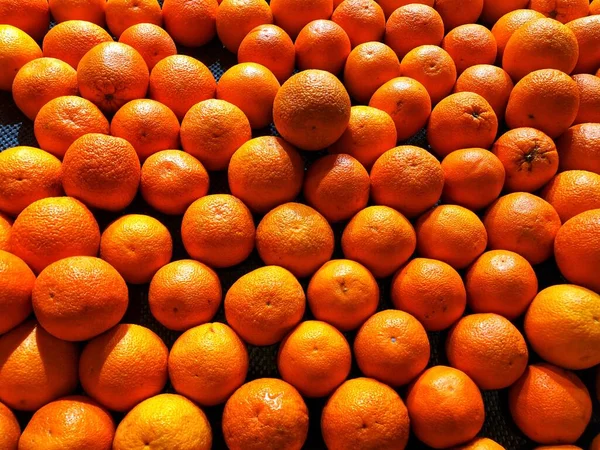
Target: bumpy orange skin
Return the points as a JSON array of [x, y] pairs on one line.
[[271, 47], [578, 148], [10, 430], [362, 20], [236, 18], [151, 41], [122, 14], [411, 26], [16, 284], [191, 24], [5, 231], [589, 98], [323, 45], [587, 32], [481, 444], [469, 45], [31, 16], [573, 192], [456, 13], [17, 49], [510, 22], [293, 15], [88, 10], [562, 10]]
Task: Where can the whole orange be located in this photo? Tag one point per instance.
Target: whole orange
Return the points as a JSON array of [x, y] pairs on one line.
[[191, 24], [236, 18], [17, 49], [491, 82], [322, 44], [122, 14], [151, 41], [31, 16], [510, 22], [589, 98], [293, 15], [455, 13], [578, 148], [469, 45], [9, 428], [573, 192], [587, 32], [88, 10], [561, 10], [362, 20], [16, 284], [271, 47], [411, 26]]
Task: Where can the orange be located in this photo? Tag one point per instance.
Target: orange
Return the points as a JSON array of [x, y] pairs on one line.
[[469, 45], [218, 230], [293, 15], [445, 407], [149, 126], [368, 67], [343, 293], [407, 102], [124, 366], [30, 16], [315, 358], [560, 447], [411, 26], [501, 282], [510, 22], [587, 32], [312, 110], [252, 88], [16, 284], [473, 178], [192, 24], [522, 223], [594, 9], [265, 413], [262, 306], [5, 232], [163, 421], [265, 172], [494, 10], [151, 41], [489, 349], [408, 179], [179, 82], [37, 368], [369, 134], [122, 14], [323, 45], [208, 363], [54, 228], [550, 405], [17, 49], [579, 147], [112, 74], [271, 47], [236, 18], [561, 10], [392, 347], [389, 6], [589, 98], [9, 429], [137, 246], [63, 120], [213, 130], [456, 13], [480, 444], [337, 186], [430, 290], [573, 192], [27, 174], [596, 442], [71, 422], [362, 20], [88, 10], [302, 252], [101, 171], [465, 111]]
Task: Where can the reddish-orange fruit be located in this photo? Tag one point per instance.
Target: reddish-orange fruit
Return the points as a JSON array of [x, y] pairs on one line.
[[491, 82], [5, 231], [343, 293], [208, 363], [30, 16], [88, 10], [264, 305], [510, 22], [573, 192], [380, 238], [389, 6], [184, 294], [192, 24], [17, 49], [315, 358], [122, 14], [430, 290], [579, 148], [562, 10], [455, 13], [323, 45], [218, 230], [172, 180], [301, 252], [589, 98], [494, 10], [37, 368], [411, 26], [595, 9], [337, 186], [481, 444], [101, 171], [236, 18], [445, 407], [16, 284], [469, 45], [293, 15], [151, 41], [501, 282], [10, 430], [587, 32], [550, 405], [522, 223], [362, 20], [180, 81]]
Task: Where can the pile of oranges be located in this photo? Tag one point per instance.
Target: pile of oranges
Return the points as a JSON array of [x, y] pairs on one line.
[[508, 93]]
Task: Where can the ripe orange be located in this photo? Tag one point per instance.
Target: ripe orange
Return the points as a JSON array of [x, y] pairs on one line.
[[481, 444], [30, 16], [389, 6], [151, 41], [411, 26], [293, 15], [562, 10], [236, 18], [5, 232], [573, 192], [10, 431], [594, 9], [88, 10], [362, 20], [17, 49], [455, 13], [16, 284], [122, 14], [587, 32], [494, 10], [578, 148], [271, 47], [510, 22], [323, 45], [469, 45], [589, 98], [192, 24]]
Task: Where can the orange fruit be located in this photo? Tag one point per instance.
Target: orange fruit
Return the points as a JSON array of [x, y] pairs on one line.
[[293, 15], [9, 428], [500, 282], [522, 223], [101, 171], [494, 10], [37, 368], [465, 111], [179, 82], [192, 24], [431, 66], [323, 45], [124, 366], [469, 45], [137, 246], [473, 178], [149, 126], [589, 98], [362, 20], [88, 10], [408, 179], [411, 26], [573, 192], [122, 14], [337, 186], [367, 68], [510, 22], [63, 120], [489, 349], [596, 442], [562, 10], [282, 414], [445, 407], [30, 16], [112, 74], [430, 290], [392, 347], [151, 41], [364, 413], [16, 284], [213, 130], [560, 447], [389, 6], [312, 110], [594, 9], [578, 148], [218, 230], [208, 363], [343, 293], [550, 405], [27, 174], [369, 134], [54, 228], [71, 422], [480, 444], [587, 32], [315, 358], [252, 88], [17, 49], [455, 13], [262, 306], [302, 252], [271, 47], [265, 172], [5, 232], [380, 238], [236, 18]]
